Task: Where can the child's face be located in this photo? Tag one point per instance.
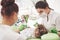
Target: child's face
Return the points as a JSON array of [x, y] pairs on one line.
[[37, 33], [40, 30]]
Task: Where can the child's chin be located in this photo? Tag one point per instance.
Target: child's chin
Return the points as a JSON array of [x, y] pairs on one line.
[[37, 36]]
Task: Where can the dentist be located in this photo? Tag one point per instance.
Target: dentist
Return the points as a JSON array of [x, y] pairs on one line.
[[50, 17]]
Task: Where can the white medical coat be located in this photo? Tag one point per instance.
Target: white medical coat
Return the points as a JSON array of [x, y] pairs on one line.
[[7, 34], [53, 20]]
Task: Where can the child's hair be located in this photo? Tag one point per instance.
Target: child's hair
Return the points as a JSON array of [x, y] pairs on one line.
[[41, 30]]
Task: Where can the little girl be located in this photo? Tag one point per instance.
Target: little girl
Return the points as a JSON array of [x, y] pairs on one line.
[[40, 30]]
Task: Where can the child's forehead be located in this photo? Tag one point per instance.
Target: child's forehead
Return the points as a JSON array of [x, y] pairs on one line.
[[41, 26], [37, 29]]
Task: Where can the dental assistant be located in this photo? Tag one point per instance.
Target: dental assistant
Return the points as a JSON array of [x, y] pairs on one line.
[[9, 12]]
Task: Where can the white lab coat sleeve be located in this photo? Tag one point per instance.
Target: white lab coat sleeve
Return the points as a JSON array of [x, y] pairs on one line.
[[10, 35], [57, 22], [26, 33]]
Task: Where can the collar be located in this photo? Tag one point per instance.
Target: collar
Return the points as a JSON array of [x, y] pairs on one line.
[[51, 12]]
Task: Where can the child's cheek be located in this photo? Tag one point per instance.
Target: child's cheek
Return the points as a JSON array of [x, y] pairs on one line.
[[37, 34]]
